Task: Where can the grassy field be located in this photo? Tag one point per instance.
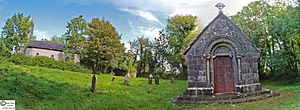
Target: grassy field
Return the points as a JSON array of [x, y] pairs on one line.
[[40, 88]]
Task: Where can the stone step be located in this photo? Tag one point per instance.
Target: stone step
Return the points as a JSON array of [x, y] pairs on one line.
[[264, 91], [249, 98], [207, 98], [259, 95]]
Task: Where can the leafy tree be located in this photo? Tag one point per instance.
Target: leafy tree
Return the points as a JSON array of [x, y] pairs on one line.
[[5, 47], [33, 38], [75, 35], [16, 33], [286, 32], [57, 39], [160, 52], [125, 64], [155, 56], [275, 31], [142, 47], [178, 31], [104, 49], [134, 49]]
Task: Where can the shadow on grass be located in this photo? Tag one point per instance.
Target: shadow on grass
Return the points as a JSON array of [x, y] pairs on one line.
[[32, 92]]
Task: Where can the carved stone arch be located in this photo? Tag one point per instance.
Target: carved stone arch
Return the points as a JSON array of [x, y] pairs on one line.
[[225, 40], [222, 49], [225, 46]]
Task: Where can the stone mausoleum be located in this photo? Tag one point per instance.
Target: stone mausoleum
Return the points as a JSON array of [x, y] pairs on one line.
[[221, 60]]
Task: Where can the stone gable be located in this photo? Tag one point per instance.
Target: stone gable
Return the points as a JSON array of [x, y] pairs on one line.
[[221, 37]]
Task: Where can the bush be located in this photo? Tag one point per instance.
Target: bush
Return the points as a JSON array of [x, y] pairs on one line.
[[43, 61], [286, 76]]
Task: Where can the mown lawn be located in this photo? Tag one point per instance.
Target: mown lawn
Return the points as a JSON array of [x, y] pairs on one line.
[[40, 88]]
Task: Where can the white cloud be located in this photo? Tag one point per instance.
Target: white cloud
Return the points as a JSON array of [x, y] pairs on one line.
[[127, 46], [147, 15], [157, 10], [148, 32], [130, 24], [41, 34], [204, 9]]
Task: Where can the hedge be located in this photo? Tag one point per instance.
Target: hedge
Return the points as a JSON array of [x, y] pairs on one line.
[[47, 62]]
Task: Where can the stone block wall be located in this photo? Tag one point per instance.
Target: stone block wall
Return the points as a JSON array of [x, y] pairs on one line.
[[57, 55]]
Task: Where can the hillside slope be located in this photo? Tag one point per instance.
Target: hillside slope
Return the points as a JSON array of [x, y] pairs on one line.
[[42, 88]]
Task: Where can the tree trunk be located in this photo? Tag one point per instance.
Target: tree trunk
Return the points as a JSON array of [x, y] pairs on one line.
[[140, 63], [94, 69], [294, 59]]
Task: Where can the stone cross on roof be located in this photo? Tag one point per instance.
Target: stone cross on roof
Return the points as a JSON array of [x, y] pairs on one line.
[[220, 6]]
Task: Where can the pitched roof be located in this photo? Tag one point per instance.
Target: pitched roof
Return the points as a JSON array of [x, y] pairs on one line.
[[206, 27], [210, 23], [47, 45]]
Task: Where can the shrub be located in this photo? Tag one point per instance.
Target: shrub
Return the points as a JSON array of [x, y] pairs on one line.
[[43, 61], [286, 76]]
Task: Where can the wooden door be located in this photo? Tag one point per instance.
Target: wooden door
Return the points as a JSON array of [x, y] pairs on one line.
[[223, 75]]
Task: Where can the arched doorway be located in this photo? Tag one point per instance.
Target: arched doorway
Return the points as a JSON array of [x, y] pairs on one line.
[[223, 71]]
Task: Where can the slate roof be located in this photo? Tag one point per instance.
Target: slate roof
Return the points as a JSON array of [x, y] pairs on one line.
[[210, 23], [47, 45], [204, 29]]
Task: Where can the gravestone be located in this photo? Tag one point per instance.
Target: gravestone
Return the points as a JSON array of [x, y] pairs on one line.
[[126, 80], [150, 77], [157, 79], [94, 80], [113, 79]]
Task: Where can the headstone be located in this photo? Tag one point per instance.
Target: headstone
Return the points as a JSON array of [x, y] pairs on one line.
[[173, 81], [113, 79], [157, 79], [150, 79], [126, 80], [94, 79]]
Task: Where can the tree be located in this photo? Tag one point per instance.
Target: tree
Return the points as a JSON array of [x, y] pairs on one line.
[[160, 52], [134, 48], [57, 39], [75, 35], [286, 32], [125, 65], [178, 31], [275, 31], [5, 47], [142, 47], [33, 38], [16, 32], [104, 48]]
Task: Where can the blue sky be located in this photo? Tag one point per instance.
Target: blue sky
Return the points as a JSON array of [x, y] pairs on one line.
[[132, 18]]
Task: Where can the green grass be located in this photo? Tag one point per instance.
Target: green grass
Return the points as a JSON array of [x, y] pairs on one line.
[[42, 88]]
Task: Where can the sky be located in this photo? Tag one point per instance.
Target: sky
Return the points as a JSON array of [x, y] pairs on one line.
[[131, 18]]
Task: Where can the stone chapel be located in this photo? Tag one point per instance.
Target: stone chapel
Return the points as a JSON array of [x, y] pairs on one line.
[[222, 59]]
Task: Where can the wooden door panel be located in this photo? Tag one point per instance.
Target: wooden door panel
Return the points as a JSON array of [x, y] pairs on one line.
[[223, 75], [218, 76]]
